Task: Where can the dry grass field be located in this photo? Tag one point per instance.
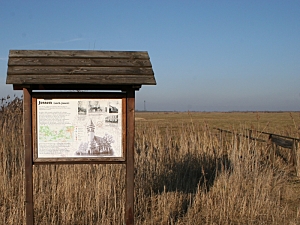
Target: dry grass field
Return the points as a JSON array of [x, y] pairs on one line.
[[184, 174]]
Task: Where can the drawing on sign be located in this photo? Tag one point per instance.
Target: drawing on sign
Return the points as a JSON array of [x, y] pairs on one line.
[[79, 128], [96, 145]]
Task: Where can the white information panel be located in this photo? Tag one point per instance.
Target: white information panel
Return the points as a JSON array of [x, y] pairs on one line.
[[79, 128]]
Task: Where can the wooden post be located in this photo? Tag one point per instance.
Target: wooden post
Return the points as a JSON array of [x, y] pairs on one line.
[[221, 142], [129, 205], [238, 143], [28, 156], [250, 135], [248, 138], [272, 149], [293, 155], [297, 157]]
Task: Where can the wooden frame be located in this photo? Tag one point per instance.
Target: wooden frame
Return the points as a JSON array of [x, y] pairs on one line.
[[77, 96], [30, 115]]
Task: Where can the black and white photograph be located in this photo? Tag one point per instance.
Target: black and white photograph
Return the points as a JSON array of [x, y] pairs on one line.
[[113, 109], [111, 119], [81, 108], [94, 107]]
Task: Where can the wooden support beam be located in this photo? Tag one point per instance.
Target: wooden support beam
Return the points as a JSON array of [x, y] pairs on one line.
[[272, 150], [129, 207], [221, 142], [28, 156]]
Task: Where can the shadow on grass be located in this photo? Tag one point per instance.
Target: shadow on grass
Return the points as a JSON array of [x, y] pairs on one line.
[[183, 177], [187, 174]]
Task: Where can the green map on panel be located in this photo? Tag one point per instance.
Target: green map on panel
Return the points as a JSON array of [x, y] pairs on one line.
[[47, 134]]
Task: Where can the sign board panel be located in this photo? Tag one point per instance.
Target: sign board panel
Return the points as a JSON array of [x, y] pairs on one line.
[[79, 128]]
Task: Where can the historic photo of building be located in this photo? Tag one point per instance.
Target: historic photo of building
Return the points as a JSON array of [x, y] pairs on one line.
[[96, 145], [81, 108], [112, 119], [113, 109], [94, 107]]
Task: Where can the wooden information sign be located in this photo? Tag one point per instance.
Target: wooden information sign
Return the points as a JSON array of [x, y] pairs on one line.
[[79, 127], [66, 127]]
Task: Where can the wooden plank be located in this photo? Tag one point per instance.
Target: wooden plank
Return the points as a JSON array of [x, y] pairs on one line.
[[100, 62], [78, 95], [80, 79], [282, 142], [79, 54], [241, 135], [277, 135], [28, 157], [124, 122], [34, 127], [79, 160], [69, 70], [129, 208], [73, 87]]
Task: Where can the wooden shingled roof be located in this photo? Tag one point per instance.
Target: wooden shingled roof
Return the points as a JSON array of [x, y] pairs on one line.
[[44, 67]]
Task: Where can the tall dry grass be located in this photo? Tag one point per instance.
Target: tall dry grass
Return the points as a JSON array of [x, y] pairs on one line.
[[11, 165], [184, 175]]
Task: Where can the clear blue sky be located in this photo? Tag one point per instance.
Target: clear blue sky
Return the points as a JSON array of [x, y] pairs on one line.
[[206, 55]]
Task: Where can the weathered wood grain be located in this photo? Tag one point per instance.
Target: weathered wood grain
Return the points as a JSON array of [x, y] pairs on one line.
[[76, 87], [99, 62], [68, 70], [79, 79], [281, 142], [129, 208], [28, 156], [79, 95], [79, 54], [79, 67]]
